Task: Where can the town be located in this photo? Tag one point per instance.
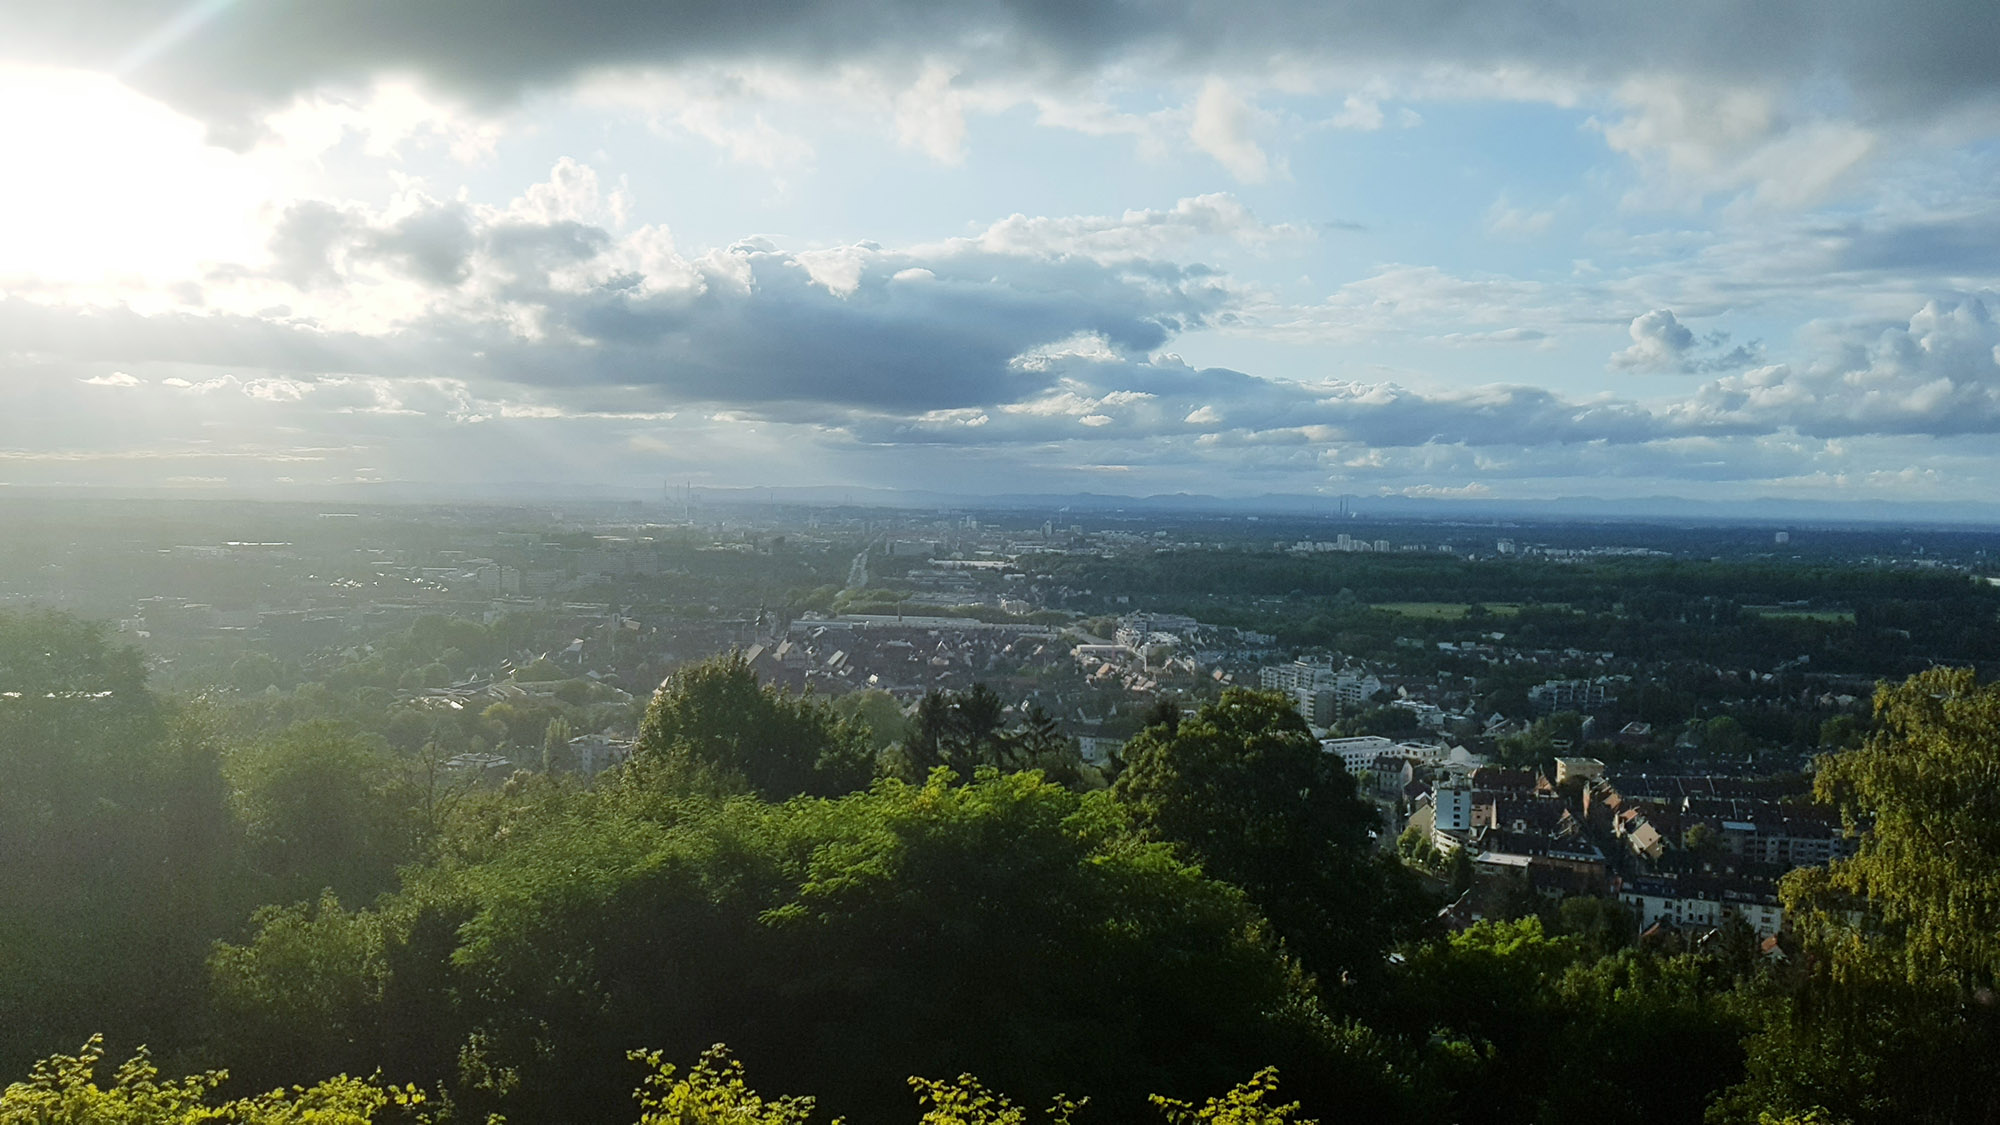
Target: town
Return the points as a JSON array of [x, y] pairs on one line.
[[1618, 711]]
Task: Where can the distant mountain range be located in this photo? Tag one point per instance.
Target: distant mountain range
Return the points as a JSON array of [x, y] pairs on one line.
[[1584, 508], [1592, 509]]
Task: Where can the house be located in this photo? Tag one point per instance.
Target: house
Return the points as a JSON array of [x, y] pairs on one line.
[[595, 753], [1392, 772], [1578, 769], [1634, 733], [1704, 901], [1493, 779]]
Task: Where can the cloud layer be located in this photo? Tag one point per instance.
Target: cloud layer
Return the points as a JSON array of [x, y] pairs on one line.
[[1751, 244], [449, 325], [1898, 56]]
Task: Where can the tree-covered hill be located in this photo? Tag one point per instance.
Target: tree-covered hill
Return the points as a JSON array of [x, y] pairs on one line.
[[289, 900]]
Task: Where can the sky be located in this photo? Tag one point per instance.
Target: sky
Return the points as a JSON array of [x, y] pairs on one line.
[[1423, 248]]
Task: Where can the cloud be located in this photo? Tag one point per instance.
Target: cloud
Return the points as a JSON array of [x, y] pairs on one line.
[[1936, 374], [1661, 343], [432, 245], [1506, 220], [1498, 336], [524, 295], [1779, 98], [1659, 340], [1138, 234], [445, 335], [247, 51], [1358, 111], [302, 243], [1407, 300], [1223, 122], [1034, 330], [1165, 401], [1699, 137], [1468, 490]]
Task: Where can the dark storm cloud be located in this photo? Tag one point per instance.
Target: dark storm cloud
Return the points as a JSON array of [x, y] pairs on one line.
[[542, 303], [433, 245], [303, 240], [1896, 58], [946, 340], [1967, 244], [531, 250]]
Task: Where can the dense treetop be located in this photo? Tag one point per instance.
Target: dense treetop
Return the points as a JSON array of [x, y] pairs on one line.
[[287, 893]]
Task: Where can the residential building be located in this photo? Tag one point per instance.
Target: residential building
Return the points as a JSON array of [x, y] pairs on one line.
[[1704, 901], [1568, 695], [1578, 769], [1452, 802]]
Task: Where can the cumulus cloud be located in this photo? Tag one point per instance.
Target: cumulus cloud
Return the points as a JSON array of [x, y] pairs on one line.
[[1937, 374], [1661, 343], [1164, 400], [527, 296], [392, 328], [1035, 330], [1659, 340]]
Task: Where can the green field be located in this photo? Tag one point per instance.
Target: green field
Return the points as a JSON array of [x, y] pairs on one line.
[[1444, 611]]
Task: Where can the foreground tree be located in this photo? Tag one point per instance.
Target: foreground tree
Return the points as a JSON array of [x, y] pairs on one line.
[[116, 846], [1245, 789], [715, 719], [324, 807], [1895, 1017], [1007, 926], [64, 1090], [965, 732]]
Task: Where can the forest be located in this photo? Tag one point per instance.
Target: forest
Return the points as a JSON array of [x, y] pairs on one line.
[[214, 907], [1868, 619]]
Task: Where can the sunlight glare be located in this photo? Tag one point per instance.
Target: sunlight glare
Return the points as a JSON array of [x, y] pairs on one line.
[[111, 189]]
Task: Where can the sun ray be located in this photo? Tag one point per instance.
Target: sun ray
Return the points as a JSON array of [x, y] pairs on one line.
[[184, 24]]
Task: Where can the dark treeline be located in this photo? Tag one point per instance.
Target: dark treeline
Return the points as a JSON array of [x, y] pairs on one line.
[[1667, 609], [298, 899], [1418, 577]]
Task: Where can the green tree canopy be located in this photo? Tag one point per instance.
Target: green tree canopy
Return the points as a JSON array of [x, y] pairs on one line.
[[715, 717], [1007, 926], [116, 845], [323, 806], [1243, 786], [1895, 1017]]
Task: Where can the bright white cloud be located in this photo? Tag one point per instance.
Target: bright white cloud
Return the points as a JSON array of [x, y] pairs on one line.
[[1661, 343], [1223, 126]]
